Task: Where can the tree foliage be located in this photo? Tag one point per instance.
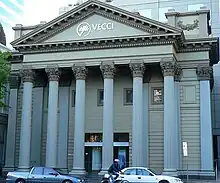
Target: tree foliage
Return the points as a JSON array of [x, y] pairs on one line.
[[4, 75]]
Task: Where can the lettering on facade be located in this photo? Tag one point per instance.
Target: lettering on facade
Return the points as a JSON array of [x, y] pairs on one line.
[[84, 28]]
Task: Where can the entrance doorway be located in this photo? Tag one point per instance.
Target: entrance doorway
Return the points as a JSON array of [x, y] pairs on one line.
[[93, 158], [122, 153]]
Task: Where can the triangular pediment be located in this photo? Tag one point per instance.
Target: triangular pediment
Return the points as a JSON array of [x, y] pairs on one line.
[[95, 20]]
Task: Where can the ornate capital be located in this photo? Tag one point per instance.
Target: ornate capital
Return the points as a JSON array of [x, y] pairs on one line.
[[53, 73], [80, 72], [168, 68], [27, 74], [137, 69], [108, 70], [178, 73], [204, 72]]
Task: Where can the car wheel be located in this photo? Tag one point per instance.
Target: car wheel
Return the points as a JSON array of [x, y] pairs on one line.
[[164, 181], [67, 181], [20, 181], [124, 181]]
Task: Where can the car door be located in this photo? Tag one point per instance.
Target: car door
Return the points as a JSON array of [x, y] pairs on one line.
[[144, 176], [130, 175], [50, 176], [36, 175]]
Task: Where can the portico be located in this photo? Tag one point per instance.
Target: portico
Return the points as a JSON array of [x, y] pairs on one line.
[[125, 74]]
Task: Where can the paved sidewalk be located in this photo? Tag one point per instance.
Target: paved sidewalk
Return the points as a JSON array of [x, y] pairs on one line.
[[202, 181]]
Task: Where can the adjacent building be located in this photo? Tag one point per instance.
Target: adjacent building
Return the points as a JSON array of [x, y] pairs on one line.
[[3, 110], [100, 82]]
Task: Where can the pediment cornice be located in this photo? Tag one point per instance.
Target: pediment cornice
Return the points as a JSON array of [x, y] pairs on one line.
[[102, 44], [95, 7]]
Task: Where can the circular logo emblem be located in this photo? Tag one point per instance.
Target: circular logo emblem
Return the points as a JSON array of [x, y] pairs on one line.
[[83, 29]]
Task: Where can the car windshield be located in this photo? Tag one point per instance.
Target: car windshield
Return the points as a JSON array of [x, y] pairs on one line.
[[152, 171], [60, 171]]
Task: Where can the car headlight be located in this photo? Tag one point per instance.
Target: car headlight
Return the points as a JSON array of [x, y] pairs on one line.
[[177, 180]]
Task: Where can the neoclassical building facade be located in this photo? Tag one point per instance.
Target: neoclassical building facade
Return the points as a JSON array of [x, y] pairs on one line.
[[99, 82]]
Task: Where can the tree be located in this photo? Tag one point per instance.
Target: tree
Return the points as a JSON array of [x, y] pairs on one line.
[[4, 75]]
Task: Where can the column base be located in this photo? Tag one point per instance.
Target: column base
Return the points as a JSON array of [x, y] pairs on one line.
[[78, 171], [170, 172], [103, 172]]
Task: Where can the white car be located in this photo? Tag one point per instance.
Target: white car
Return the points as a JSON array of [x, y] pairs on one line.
[[141, 174]]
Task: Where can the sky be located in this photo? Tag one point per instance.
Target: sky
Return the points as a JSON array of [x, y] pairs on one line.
[[28, 12]]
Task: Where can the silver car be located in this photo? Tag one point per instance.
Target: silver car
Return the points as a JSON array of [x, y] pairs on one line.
[[42, 175]]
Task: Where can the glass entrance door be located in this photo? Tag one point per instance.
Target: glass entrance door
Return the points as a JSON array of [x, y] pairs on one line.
[[96, 158]]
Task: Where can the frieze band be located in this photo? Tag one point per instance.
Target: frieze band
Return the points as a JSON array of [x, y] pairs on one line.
[[137, 69], [108, 70], [53, 73], [204, 72], [80, 72]]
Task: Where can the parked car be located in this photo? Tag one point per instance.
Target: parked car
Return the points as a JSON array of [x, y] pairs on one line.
[[41, 175], [142, 175]]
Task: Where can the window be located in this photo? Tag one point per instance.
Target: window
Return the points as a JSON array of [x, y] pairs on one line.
[[73, 98], [121, 137], [157, 95], [128, 96], [37, 171], [143, 172], [49, 171], [100, 97], [93, 137], [131, 171]]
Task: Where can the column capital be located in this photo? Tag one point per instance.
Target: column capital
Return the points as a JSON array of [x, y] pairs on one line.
[[137, 69], [53, 73], [178, 73], [168, 68], [27, 74], [108, 70], [204, 72], [80, 71]]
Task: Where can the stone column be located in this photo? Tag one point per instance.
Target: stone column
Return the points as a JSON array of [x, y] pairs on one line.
[[64, 102], [25, 132], [177, 78], [108, 72], [204, 74], [37, 119], [52, 122], [79, 129], [168, 68], [137, 120], [12, 120]]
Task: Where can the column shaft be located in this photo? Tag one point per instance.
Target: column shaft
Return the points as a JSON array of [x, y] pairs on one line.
[[204, 75], [170, 125], [137, 119], [52, 123], [12, 120], [108, 71], [146, 123], [25, 133], [79, 129]]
